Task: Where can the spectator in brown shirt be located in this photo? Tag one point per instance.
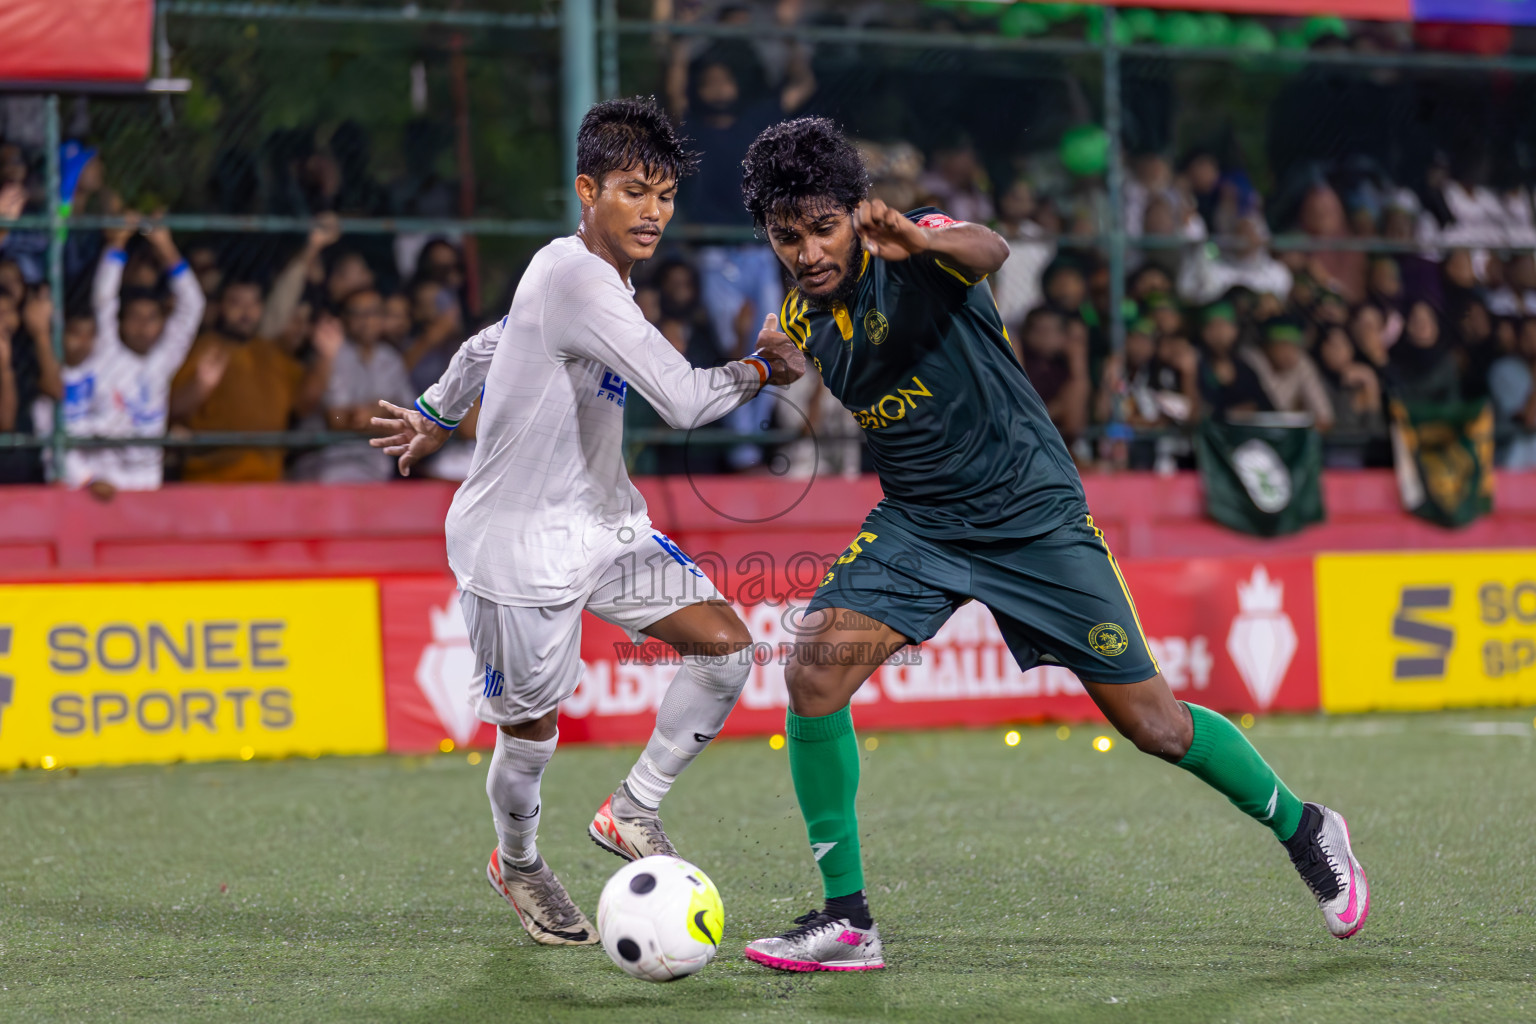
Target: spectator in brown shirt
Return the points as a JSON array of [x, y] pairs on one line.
[[235, 380]]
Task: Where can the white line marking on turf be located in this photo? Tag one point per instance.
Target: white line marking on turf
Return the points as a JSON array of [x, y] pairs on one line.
[[1493, 729]]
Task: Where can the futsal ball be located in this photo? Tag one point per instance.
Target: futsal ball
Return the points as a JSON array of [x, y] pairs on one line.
[[660, 918]]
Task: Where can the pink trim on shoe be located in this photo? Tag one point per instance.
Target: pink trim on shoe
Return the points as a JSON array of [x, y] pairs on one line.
[[1365, 908], [805, 966]]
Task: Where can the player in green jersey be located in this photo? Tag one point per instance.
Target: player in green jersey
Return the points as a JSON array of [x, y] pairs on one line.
[[982, 502]]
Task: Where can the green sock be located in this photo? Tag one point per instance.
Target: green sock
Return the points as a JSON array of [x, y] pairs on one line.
[[824, 762], [1221, 757]]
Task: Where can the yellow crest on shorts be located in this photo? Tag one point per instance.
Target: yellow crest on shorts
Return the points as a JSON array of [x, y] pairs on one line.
[[876, 327], [1108, 639]]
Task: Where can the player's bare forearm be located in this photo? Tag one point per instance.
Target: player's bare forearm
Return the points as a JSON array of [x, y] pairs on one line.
[[973, 249]]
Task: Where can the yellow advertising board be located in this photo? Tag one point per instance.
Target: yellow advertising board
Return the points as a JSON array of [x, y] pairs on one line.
[[1425, 630], [115, 673]]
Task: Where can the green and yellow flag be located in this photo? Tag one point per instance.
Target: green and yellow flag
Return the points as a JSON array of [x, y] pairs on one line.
[[1443, 454]]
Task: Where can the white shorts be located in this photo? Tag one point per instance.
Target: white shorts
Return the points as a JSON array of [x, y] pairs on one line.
[[530, 658]]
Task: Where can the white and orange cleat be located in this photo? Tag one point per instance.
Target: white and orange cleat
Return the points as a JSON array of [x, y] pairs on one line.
[[1322, 855], [545, 910], [624, 828]]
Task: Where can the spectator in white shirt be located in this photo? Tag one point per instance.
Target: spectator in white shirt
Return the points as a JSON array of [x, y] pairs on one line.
[[137, 350], [78, 372], [1207, 273], [1017, 286]]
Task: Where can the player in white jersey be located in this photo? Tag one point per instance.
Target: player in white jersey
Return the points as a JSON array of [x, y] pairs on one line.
[[548, 523], [125, 383]]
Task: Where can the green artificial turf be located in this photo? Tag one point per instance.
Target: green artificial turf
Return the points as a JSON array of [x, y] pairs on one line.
[[1044, 881]]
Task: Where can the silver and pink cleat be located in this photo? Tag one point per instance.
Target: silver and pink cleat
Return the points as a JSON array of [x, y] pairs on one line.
[[821, 942], [1322, 855]]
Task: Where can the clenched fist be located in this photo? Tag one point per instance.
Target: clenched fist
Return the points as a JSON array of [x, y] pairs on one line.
[[783, 356]]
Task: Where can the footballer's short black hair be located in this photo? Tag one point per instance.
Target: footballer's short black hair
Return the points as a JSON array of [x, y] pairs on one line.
[[801, 164], [635, 132]]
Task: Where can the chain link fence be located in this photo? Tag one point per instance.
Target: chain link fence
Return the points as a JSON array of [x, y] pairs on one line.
[[430, 120]]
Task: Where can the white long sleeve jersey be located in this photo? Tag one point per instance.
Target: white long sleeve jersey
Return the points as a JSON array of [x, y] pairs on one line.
[[548, 501]]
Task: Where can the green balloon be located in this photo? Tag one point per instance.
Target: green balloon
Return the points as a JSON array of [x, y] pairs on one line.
[[981, 9], [1140, 22], [1021, 20], [1253, 36], [1322, 25], [1124, 36], [1217, 28], [1180, 28], [1056, 13], [1084, 150], [1292, 39]]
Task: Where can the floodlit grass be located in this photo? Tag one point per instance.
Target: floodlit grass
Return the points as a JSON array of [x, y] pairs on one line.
[[1043, 881]]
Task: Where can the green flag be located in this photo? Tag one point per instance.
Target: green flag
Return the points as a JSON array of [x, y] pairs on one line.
[[1262, 477], [1443, 454]]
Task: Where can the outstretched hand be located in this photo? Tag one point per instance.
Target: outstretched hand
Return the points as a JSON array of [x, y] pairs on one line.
[[409, 435], [886, 232], [784, 357], [13, 200]]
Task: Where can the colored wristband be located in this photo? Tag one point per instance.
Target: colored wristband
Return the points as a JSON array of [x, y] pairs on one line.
[[758, 363], [432, 414]]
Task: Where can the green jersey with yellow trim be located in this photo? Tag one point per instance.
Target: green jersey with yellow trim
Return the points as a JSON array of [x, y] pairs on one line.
[[961, 440]]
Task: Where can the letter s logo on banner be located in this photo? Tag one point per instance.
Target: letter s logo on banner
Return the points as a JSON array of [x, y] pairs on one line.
[[1419, 631], [7, 683], [1434, 641]]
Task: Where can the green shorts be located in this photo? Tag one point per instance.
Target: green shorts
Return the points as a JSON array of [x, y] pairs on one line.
[[1058, 598]]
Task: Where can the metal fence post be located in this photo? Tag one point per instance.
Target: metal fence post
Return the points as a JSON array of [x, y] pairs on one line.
[[58, 442], [578, 66], [1115, 183], [610, 49]]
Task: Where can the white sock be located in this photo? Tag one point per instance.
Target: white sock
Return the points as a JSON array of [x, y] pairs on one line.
[[697, 702], [513, 786]]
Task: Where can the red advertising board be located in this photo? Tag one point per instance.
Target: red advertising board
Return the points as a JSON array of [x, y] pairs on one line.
[[75, 40], [1234, 634]]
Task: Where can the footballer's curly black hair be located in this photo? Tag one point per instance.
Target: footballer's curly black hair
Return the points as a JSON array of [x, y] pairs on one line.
[[635, 132], [798, 165]]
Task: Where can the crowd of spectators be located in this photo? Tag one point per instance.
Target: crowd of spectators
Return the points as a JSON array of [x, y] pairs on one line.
[[157, 343], [1218, 319]]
